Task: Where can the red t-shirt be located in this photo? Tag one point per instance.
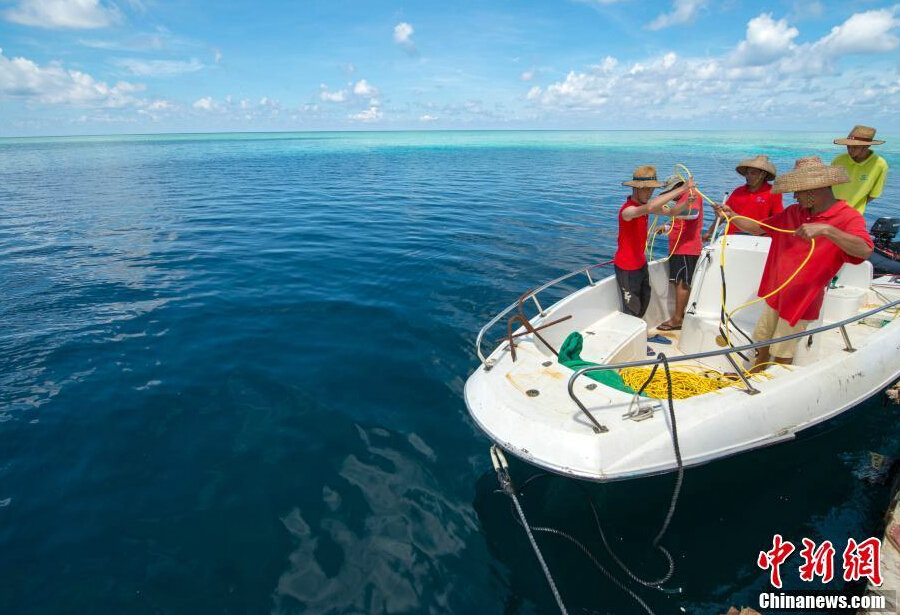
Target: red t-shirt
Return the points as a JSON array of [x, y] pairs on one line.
[[684, 238], [802, 298], [758, 205], [632, 240]]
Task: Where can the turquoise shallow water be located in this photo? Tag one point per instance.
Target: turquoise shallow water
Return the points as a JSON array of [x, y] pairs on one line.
[[231, 370]]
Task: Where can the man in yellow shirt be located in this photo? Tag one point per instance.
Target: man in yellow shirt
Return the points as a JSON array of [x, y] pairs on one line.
[[867, 170]]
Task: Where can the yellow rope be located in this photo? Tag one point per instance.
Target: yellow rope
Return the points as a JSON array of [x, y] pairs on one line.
[[651, 231], [730, 315], [687, 381]]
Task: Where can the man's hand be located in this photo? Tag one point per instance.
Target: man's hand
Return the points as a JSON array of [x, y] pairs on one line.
[[724, 211], [812, 230]]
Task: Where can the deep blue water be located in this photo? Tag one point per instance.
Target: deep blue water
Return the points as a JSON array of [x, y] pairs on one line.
[[231, 373]]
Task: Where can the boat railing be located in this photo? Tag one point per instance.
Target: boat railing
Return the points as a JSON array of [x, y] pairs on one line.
[[727, 352], [532, 294]]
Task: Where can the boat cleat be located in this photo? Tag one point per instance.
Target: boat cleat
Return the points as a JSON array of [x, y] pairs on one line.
[[641, 408]]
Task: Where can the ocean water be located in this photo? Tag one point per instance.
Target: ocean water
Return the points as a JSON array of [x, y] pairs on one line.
[[231, 374]]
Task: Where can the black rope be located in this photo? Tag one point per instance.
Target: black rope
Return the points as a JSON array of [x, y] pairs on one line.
[[723, 316], [656, 584]]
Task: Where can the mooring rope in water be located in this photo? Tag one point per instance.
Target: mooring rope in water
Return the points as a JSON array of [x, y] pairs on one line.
[[502, 469], [678, 481]]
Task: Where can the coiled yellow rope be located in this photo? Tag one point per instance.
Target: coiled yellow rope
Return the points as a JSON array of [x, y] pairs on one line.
[[687, 381]]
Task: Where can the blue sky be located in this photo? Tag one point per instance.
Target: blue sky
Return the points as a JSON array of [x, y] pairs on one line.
[[149, 66]]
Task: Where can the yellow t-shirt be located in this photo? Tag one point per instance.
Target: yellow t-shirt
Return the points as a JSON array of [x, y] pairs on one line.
[[866, 180]]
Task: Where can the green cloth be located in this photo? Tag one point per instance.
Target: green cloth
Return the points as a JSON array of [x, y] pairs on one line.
[[570, 356]]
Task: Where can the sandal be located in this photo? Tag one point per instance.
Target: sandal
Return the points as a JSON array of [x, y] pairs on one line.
[[667, 327]]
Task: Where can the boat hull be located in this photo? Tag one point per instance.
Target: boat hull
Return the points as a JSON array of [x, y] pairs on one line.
[[524, 405]]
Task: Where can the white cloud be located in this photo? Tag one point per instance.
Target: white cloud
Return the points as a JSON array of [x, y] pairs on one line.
[[771, 44], [402, 33], [403, 36], [428, 118], [160, 105], [63, 14], [329, 96], [160, 68], [768, 73], [528, 75], [269, 105], [608, 64], [683, 11], [766, 41], [364, 88], [368, 115], [205, 104], [217, 55], [52, 84], [579, 90], [868, 32]]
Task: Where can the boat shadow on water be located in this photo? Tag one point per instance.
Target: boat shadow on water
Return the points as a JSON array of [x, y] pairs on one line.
[[831, 483]]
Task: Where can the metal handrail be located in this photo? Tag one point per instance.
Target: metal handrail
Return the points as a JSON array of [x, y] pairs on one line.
[[713, 353], [496, 319]]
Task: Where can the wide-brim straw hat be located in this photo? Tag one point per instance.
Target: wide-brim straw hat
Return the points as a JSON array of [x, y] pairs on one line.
[[644, 177], [860, 135], [810, 174], [760, 162]]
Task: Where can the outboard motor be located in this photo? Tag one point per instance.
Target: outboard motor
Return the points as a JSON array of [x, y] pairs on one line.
[[884, 230], [886, 257]]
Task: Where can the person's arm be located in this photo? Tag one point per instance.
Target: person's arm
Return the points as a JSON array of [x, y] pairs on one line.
[[683, 204], [654, 205], [747, 225], [853, 245], [878, 186], [692, 214]]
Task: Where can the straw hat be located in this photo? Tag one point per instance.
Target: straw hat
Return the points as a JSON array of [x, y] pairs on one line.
[[644, 177], [860, 135], [809, 174], [760, 162]]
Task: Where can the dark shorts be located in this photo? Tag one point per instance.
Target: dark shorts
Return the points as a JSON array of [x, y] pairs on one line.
[[681, 268], [634, 288]]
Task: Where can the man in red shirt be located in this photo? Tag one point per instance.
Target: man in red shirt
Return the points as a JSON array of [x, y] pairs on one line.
[[841, 237], [630, 261], [684, 248], [755, 199]]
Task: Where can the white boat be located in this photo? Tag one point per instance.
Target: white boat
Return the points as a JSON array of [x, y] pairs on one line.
[[553, 417]]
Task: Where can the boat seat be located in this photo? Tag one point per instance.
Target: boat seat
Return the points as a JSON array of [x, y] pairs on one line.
[[699, 334], [615, 337]]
